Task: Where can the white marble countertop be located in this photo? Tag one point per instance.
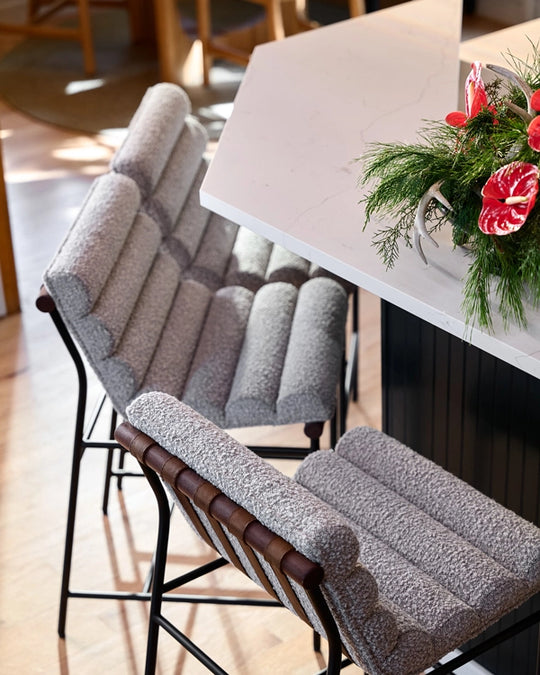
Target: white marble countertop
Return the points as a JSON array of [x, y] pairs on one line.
[[306, 109]]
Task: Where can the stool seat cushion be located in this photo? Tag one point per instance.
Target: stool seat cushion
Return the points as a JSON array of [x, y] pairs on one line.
[[451, 560]]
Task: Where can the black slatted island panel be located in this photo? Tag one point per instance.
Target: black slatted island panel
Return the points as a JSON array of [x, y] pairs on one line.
[[475, 415]]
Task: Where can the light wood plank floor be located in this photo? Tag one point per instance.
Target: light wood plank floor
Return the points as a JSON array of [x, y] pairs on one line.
[[48, 171]]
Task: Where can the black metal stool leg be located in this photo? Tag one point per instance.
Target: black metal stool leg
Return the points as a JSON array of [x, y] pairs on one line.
[[107, 485], [121, 464], [78, 450], [109, 465], [68, 544], [356, 332], [160, 557]]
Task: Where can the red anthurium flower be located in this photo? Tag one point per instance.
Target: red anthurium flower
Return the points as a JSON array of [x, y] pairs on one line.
[[534, 133], [508, 197], [456, 119], [535, 100], [475, 98]]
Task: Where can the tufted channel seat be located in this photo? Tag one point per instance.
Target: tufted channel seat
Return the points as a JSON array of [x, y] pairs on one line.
[[413, 562], [159, 294]]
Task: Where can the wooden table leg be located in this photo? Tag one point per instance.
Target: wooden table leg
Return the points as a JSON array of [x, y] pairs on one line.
[[180, 58], [7, 260]]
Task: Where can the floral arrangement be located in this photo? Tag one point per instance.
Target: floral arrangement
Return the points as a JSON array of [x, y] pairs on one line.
[[477, 170]]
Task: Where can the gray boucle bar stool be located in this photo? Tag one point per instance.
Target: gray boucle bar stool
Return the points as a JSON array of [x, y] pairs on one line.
[[155, 293], [387, 555]]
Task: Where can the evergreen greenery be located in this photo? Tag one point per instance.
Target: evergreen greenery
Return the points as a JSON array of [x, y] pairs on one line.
[[502, 267]]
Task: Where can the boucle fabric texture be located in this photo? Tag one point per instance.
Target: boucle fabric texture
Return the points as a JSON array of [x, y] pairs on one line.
[[307, 380], [158, 292], [97, 236], [214, 364], [452, 560], [190, 226], [503, 535], [164, 153], [152, 134], [169, 195], [263, 352]]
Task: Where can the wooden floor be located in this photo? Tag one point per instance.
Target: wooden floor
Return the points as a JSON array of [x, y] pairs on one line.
[[48, 172]]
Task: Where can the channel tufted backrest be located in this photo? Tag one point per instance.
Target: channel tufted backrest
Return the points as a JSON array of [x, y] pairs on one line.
[[163, 295], [164, 153], [114, 285]]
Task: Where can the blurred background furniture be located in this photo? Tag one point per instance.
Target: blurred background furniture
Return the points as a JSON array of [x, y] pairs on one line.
[[214, 47], [38, 24], [9, 296], [186, 53]]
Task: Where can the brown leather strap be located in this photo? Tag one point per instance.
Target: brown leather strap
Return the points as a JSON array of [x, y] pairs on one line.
[[225, 542], [275, 551], [239, 521], [192, 514], [259, 570], [291, 595], [172, 469], [137, 443], [206, 493]]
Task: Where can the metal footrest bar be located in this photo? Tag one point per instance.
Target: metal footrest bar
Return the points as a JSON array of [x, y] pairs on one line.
[[190, 646], [197, 573], [125, 473], [111, 445], [176, 597], [279, 452]]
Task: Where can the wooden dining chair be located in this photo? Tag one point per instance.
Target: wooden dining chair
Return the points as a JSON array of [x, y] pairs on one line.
[[37, 23], [215, 46]]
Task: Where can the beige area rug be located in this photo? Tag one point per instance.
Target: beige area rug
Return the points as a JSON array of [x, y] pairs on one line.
[[44, 78]]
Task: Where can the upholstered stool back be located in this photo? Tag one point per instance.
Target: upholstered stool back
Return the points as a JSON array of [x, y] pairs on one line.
[[163, 295], [241, 358]]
